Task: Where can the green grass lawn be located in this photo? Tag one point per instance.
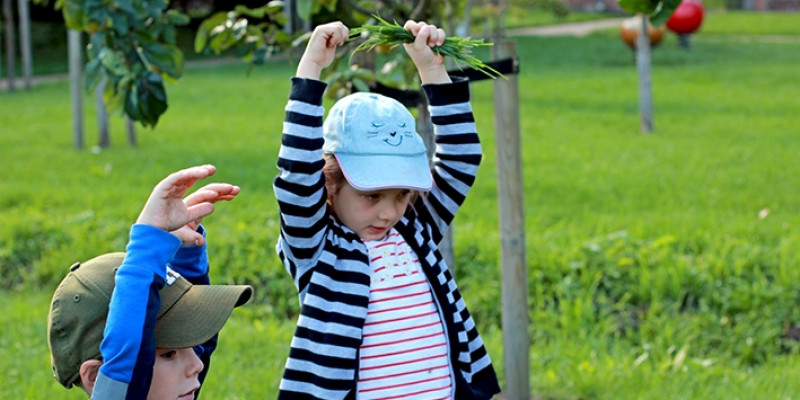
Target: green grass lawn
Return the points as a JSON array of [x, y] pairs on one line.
[[660, 266]]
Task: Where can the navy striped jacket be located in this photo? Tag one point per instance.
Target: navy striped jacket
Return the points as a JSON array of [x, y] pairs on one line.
[[328, 262]]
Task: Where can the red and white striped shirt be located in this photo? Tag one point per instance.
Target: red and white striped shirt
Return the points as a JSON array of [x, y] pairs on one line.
[[403, 354]]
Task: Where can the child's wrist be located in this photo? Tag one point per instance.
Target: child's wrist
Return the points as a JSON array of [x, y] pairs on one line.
[[308, 69], [152, 222], [434, 74]]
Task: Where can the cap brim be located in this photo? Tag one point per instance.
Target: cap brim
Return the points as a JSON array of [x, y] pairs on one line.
[[199, 315], [375, 172]]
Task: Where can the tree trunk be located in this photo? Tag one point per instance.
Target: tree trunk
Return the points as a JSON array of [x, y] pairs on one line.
[[643, 65], [462, 29], [1, 57], [26, 46], [103, 138], [75, 73], [499, 30], [10, 48], [130, 128]]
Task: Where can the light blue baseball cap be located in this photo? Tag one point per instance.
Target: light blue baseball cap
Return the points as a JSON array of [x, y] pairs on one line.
[[375, 141]]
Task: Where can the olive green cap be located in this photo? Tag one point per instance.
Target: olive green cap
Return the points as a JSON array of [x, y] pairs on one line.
[[189, 314]]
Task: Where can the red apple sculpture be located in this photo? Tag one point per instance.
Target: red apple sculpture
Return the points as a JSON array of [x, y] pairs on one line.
[[686, 19]]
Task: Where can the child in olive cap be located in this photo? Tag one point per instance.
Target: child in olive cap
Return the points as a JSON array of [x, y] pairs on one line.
[[142, 324], [362, 213]]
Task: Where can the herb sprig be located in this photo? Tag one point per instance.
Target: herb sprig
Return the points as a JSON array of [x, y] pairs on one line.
[[392, 34]]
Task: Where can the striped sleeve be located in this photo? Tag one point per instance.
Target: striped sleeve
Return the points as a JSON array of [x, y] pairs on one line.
[[300, 185], [456, 157]]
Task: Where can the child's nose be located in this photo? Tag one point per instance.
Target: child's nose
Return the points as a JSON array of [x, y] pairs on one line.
[[388, 212], [194, 365]]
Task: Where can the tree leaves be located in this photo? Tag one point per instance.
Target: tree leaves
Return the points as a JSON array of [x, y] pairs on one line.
[[253, 34], [664, 11], [639, 6], [658, 10], [132, 45], [163, 58]]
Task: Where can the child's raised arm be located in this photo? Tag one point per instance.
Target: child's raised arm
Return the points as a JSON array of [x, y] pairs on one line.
[[430, 65], [321, 49]]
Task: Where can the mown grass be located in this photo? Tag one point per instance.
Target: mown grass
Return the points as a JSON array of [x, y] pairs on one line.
[[660, 266]]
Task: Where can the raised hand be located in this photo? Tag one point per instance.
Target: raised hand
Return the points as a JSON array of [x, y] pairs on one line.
[[321, 49], [166, 209], [210, 193], [430, 65]]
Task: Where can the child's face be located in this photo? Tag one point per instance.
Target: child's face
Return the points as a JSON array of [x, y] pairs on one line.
[[370, 214], [175, 374]]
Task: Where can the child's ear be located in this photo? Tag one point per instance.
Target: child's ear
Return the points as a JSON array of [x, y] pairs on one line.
[[89, 370]]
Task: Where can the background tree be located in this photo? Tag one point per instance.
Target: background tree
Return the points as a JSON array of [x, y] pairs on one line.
[[657, 12], [132, 42], [10, 46], [223, 31]]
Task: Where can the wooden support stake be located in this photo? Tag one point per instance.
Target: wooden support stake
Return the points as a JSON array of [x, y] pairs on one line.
[[516, 342]]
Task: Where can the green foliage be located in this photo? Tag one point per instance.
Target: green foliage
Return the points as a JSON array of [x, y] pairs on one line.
[[308, 8], [254, 34], [392, 34], [233, 31], [343, 80], [133, 47], [356, 13], [133, 43], [658, 10]]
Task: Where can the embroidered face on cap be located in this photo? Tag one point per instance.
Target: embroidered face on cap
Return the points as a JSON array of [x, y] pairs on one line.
[[391, 133], [375, 141]]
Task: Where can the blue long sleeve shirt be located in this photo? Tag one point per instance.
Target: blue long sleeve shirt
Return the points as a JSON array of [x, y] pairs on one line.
[[128, 347]]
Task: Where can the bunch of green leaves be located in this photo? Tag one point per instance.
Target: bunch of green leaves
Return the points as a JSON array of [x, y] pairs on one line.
[[459, 49], [658, 10], [132, 45], [253, 34]]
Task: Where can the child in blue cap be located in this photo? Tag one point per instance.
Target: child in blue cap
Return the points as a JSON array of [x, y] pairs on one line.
[[362, 212]]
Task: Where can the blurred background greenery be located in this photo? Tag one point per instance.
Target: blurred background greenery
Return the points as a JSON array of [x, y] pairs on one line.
[[660, 266]]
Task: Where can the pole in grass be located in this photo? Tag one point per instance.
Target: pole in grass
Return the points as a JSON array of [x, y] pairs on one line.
[[516, 340]]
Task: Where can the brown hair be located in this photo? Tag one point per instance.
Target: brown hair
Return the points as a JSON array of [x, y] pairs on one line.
[[334, 177]]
